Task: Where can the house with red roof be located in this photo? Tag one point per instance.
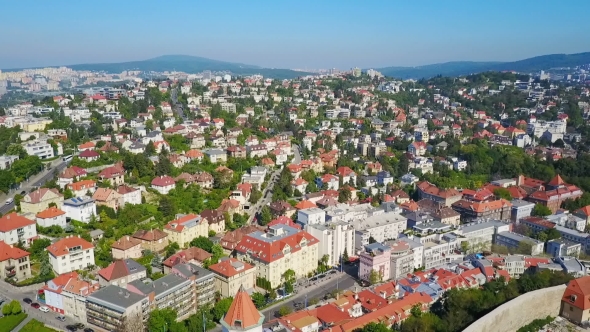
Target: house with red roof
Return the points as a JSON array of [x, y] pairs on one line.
[[89, 155], [185, 228], [242, 314], [39, 200], [575, 302], [126, 247], [114, 174], [50, 217], [16, 229], [163, 184], [70, 175], [121, 272], [232, 274], [14, 262], [417, 148], [192, 255], [66, 294], [86, 146], [80, 188], [70, 253]]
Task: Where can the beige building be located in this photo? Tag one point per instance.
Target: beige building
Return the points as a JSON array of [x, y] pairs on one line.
[[154, 240], [575, 303], [126, 247], [14, 262], [280, 249], [231, 274], [108, 197], [66, 295], [40, 199], [185, 228]]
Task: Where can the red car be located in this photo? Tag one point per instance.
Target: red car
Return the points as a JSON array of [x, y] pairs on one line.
[[35, 305]]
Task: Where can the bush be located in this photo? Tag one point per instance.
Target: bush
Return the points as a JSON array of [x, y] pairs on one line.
[[10, 322]]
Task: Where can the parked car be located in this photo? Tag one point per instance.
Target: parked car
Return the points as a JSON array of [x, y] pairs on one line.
[[61, 318], [79, 325], [88, 330], [35, 305], [44, 309], [27, 300], [72, 328]]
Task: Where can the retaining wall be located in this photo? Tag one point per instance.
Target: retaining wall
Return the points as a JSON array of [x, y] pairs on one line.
[[522, 310]]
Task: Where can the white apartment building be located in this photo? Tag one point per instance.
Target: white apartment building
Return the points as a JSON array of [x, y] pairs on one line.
[[437, 249], [70, 254], [479, 235], [350, 213], [7, 160], [228, 107], [15, 229], [538, 128], [335, 239], [280, 249], [80, 208], [380, 226], [514, 240], [401, 260], [312, 216], [51, 217], [40, 149]]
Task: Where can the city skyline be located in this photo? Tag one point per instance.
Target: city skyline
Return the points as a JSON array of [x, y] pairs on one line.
[[287, 35]]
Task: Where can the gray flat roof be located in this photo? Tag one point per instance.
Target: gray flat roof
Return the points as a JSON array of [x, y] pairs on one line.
[[115, 297], [162, 286]]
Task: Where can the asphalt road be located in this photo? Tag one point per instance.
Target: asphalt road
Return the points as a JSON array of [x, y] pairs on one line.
[[12, 293], [175, 104], [35, 181], [341, 281], [296, 154]]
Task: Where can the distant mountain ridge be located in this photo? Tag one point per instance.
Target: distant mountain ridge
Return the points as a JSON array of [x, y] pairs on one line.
[[459, 68], [186, 63]]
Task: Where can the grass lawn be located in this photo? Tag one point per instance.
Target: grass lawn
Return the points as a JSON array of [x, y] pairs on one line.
[[36, 326], [8, 323]]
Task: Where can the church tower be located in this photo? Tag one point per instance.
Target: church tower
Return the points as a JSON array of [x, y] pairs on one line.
[[242, 315]]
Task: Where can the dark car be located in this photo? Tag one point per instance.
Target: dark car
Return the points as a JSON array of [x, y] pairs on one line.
[[61, 318], [35, 305], [79, 325], [88, 330], [23, 193], [27, 300], [72, 328]]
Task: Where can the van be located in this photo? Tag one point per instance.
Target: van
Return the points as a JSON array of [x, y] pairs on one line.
[[9, 201]]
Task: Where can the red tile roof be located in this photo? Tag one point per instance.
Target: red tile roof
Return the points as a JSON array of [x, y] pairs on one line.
[[13, 221], [270, 251], [163, 181], [187, 255], [126, 242], [50, 213], [61, 247], [242, 313], [230, 267], [9, 252], [577, 293]]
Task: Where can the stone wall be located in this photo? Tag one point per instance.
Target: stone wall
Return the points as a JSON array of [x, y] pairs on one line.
[[522, 310]]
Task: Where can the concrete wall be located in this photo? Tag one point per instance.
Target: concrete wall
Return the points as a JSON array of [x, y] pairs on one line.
[[522, 310]]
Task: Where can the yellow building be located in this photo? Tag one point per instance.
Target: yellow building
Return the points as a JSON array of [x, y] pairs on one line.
[[39, 200], [35, 124], [231, 274], [282, 248], [187, 227]]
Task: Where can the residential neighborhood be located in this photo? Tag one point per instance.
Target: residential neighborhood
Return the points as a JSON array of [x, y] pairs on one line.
[[329, 201]]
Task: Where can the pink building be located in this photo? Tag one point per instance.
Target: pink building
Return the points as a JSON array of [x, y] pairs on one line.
[[375, 257]]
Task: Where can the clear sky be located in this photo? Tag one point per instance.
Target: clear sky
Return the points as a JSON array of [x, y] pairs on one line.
[[290, 34]]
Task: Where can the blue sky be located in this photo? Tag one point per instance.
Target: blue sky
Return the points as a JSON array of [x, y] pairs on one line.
[[290, 34]]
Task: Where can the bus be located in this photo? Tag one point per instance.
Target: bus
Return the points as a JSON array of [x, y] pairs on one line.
[[67, 158]]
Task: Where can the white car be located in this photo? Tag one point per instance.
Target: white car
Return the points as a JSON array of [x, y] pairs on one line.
[[44, 309]]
